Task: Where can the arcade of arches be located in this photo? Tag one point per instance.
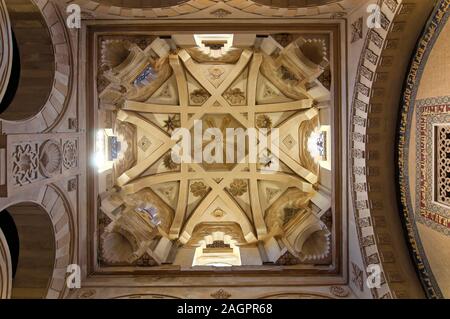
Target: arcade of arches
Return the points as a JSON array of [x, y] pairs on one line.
[[175, 140]]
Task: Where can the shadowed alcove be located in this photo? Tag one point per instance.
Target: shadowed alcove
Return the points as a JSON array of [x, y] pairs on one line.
[[33, 58], [30, 237]]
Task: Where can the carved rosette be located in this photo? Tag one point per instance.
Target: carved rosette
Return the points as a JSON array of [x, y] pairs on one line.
[[199, 96], [339, 291], [70, 154], [238, 187], [221, 294], [199, 189], [235, 96], [263, 121], [220, 13], [25, 164]]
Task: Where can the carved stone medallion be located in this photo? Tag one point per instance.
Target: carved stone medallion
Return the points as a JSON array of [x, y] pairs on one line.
[[50, 158]]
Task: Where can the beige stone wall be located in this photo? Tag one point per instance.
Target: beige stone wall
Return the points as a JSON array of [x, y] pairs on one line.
[[435, 83], [436, 76]]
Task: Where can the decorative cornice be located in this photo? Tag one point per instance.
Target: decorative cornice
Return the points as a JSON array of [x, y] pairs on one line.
[[223, 9]]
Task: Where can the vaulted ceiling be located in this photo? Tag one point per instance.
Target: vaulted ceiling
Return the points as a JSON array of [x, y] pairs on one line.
[[149, 87]]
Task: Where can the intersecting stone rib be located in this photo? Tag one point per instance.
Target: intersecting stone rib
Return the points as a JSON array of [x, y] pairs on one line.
[[166, 144]]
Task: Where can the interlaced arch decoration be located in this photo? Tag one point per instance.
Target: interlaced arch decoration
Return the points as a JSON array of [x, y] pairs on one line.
[[55, 203], [5, 268], [6, 53], [54, 109]]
